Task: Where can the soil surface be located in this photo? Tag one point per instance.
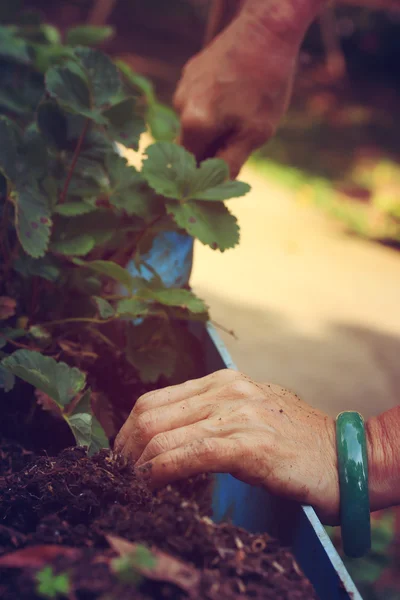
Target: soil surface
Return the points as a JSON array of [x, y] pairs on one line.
[[61, 511]]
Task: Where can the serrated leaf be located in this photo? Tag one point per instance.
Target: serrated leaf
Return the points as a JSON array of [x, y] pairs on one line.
[[211, 182], [68, 86], [81, 427], [88, 35], [33, 222], [151, 349], [13, 47], [163, 122], [110, 269], [211, 223], [56, 379], [42, 267], [7, 379], [136, 81], [132, 307], [77, 246], [99, 439], [169, 169], [125, 125], [83, 405], [102, 75], [74, 209], [104, 307], [179, 298], [130, 192], [9, 138], [101, 225]]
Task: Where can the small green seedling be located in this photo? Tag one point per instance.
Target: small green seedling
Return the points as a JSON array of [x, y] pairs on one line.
[[128, 567], [50, 585]]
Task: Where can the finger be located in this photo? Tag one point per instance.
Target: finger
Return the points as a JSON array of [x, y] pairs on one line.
[[168, 396], [160, 420], [208, 455], [199, 129], [238, 149], [170, 440]]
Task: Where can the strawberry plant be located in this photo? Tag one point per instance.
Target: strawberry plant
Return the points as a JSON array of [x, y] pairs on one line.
[[73, 213]]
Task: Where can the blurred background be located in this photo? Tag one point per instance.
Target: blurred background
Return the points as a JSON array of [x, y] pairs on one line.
[[312, 293]]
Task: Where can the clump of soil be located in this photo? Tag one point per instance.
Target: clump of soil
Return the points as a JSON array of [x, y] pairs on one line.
[[76, 502]]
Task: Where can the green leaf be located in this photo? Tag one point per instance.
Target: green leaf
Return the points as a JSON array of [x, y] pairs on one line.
[[98, 440], [132, 307], [77, 246], [68, 86], [124, 124], [10, 333], [102, 75], [81, 426], [13, 47], [39, 333], [163, 122], [130, 192], [88, 35], [83, 406], [110, 269], [9, 138], [33, 222], [105, 309], [56, 379], [151, 349], [101, 225], [169, 169], [7, 379], [211, 182], [211, 223], [46, 268], [50, 585], [74, 209], [137, 82], [180, 298]]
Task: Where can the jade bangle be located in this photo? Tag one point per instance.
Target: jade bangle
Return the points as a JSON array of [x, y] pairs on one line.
[[353, 481]]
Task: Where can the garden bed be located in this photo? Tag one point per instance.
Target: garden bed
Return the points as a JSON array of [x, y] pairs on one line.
[[65, 508]]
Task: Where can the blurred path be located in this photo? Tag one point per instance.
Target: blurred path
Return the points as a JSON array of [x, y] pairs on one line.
[[313, 309]]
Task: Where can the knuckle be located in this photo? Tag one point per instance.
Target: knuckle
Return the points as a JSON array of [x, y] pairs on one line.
[[197, 117], [145, 425], [226, 375], [241, 386], [158, 444]]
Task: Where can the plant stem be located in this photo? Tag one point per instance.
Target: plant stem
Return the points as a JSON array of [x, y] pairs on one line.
[[73, 162], [77, 320], [19, 344]]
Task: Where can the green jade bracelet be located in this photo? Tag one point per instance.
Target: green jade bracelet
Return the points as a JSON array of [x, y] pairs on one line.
[[353, 481]]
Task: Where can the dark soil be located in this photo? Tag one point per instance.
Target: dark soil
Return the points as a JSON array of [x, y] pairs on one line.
[[74, 501]]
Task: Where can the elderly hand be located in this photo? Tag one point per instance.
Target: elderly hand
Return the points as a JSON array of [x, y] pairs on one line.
[[233, 94], [260, 433]]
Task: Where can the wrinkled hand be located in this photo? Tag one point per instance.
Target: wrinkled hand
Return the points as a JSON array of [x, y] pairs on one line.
[[233, 94], [261, 434]]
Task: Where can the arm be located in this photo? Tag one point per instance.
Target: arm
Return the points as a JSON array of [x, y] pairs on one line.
[[383, 440], [261, 434], [233, 94]]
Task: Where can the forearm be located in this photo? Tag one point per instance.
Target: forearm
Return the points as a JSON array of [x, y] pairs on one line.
[[383, 435], [283, 17]]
